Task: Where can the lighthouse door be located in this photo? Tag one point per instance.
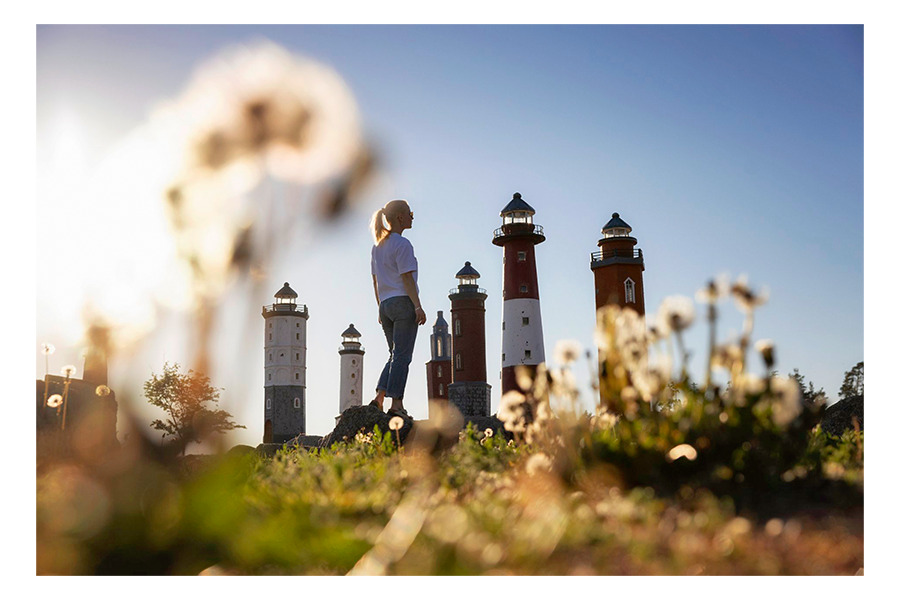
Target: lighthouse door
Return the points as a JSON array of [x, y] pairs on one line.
[[267, 433]]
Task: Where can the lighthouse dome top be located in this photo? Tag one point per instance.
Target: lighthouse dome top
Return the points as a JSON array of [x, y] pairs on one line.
[[616, 227], [351, 332], [468, 272], [286, 292], [517, 205], [440, 322]]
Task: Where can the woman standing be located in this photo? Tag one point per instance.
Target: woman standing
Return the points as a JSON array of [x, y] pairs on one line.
[[394, 276]]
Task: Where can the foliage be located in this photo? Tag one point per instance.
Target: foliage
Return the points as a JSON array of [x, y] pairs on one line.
[[853, 382], [183, 397], [667, 476]]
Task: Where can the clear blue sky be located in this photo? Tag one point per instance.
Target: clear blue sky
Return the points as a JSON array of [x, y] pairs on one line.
[[727, 149]]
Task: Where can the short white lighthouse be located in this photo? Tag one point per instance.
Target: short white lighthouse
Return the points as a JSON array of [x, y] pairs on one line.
[[285, 367], [351, 352]]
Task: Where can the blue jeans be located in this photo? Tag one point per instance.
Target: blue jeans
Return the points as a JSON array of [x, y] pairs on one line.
[[398, 319]]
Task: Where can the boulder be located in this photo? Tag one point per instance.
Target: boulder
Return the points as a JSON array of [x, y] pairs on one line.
[[840, 416], [363, 419]]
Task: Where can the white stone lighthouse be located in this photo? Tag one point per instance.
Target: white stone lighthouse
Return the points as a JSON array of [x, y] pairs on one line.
[[285, 367], [351, 352], [523, 334]]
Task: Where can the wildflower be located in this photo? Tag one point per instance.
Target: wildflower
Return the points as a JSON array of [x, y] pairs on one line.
[[682, 451], [566, 352], [69, 371], [54, 401], [676, 313], [786, 404], [512, 411], [745, 298], [538, 462], [715, 289], [767, 349], [395, 423]]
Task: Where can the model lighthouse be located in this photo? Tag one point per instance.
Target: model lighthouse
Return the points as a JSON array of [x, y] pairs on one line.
[[618, 267], [351, 352], [438, 370], [285, 367], [523, 336], [469, 392]]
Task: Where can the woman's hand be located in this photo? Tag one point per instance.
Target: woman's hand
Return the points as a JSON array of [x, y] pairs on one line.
[[420, 315]]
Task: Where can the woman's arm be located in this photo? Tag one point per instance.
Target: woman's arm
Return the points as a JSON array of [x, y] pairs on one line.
[[409, 285], [377, 301]]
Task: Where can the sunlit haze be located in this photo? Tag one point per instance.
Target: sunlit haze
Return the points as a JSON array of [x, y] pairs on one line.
[[732, 150]]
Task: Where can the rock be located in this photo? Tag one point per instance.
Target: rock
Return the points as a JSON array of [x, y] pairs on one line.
[[839, 416], [363, 419]]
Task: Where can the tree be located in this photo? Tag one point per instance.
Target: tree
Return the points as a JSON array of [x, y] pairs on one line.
[[853, 382], [811, 396], [183, 397]]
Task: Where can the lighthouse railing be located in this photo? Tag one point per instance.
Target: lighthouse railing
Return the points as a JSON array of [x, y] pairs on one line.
[[457, 290], [516, 228], [285, 309], [601, 255]]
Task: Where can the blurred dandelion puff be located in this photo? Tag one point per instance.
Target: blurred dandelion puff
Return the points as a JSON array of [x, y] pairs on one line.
[[682, 451], [566, 352], [102, 391], [395, 423], [68, 371], [745, 298], [54, 401]]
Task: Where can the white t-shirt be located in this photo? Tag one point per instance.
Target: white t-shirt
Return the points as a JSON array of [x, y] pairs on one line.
[[390, 259]]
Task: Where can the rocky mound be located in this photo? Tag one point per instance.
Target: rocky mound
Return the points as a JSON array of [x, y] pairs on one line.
[[364, 419], [839, 416]]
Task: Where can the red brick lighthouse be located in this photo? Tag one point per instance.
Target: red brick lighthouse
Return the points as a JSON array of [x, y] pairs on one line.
[[469, 392], [618, 268], [439, 370], [523, 335]]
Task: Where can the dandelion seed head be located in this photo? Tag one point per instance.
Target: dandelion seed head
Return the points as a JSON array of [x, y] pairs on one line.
[[745, 298], [714, 290], [102, 390], [566, 352], [488, 432], [69, 371], [786, 400], [539, 462], [396, 423], [676, 313], [54, 401], [682, 451], [47, 348]]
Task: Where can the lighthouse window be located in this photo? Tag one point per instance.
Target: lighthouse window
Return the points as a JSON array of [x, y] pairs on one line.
[[524, 320], [296, 375], [459, 362], [504, 326], [270, 377], [298, 336], [522, 257], [440, 389], [268, 403], [353, 362], [523, 288], [282, 355], [298, 324], [270, 356], [457, 327], [270, 336], [352, 392], [352, 375], [440, 372], [296, 356], [629, 290], [296, 402], [440, 346], [528, 354], [270, 325]]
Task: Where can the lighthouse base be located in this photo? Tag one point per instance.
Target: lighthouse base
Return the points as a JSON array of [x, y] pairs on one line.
[[472, 399]]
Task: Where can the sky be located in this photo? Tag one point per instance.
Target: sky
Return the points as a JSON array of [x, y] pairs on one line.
[[728, 149]]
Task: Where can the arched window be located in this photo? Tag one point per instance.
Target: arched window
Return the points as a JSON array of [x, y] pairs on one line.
[[296, 402], [440, 346], [629, 291], [440, 389], [459, 362], [439, 371], [457, 327]]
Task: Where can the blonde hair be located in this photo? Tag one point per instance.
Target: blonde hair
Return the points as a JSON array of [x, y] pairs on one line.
[[388, 213]]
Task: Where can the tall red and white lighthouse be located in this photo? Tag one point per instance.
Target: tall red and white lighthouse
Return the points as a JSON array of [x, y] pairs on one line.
[[523, 335], [618, 267]]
